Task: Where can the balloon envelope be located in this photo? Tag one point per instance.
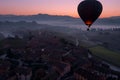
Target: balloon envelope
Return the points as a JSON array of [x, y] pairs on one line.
[[89, 11]]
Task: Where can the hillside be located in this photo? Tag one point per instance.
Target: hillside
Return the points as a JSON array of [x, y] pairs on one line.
[[45, 17]]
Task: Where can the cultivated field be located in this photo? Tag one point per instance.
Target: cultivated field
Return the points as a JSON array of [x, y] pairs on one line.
[[107, 55]]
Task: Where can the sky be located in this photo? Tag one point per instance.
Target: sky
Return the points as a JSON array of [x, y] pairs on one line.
[[54, 7]]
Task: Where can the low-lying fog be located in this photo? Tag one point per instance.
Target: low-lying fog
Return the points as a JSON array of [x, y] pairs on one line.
[[106, 30]]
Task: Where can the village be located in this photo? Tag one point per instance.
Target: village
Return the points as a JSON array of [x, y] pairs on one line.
[[45, 56]]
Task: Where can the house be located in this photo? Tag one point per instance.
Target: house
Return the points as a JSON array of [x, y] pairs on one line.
[[61, 67], [11, 75], [83, 74], [23, 73], [3, 71], [39, 74]]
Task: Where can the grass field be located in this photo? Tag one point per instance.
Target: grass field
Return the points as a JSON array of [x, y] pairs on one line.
[[107, 55]]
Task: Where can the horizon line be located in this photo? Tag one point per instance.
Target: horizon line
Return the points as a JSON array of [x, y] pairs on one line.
[[51, 15]]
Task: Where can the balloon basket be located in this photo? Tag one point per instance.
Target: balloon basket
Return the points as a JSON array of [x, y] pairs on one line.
[[88, 29]]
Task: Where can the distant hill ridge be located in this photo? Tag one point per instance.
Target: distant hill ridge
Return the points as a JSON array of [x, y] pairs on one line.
[[114, 20], [34, 17]]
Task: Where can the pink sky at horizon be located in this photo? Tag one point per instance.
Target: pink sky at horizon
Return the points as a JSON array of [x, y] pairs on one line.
[[54, 7]]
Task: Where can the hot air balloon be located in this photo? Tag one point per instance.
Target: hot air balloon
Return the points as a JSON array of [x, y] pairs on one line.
[[89, 11]]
